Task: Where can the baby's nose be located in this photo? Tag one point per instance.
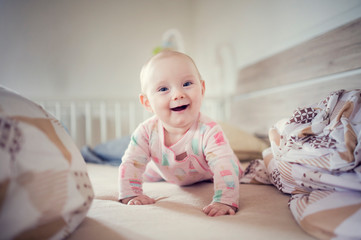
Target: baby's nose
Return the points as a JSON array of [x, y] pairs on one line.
[[178, 94]]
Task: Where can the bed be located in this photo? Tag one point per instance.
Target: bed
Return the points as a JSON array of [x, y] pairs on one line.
[[268, 91]]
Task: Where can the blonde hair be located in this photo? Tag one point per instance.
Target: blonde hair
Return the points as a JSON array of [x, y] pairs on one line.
[[160, 55]]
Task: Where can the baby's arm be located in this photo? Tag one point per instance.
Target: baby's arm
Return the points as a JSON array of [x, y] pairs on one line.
[[138, 200], [133, 165], [218, 209], [226, 169]]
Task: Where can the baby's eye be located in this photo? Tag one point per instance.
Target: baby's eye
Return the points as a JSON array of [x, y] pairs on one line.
[[187, 84], [162, 89]]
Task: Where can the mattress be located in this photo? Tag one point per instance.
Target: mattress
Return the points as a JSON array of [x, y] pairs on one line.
[[177, 213]]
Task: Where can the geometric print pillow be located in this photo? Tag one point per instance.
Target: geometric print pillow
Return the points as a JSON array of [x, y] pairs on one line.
[[45, 191]]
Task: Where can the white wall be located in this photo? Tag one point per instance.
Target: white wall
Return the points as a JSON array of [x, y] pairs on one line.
[[244, 31], [95, 48], [83, 48]]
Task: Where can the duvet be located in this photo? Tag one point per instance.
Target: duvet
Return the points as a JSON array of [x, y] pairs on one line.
[[315, 156]]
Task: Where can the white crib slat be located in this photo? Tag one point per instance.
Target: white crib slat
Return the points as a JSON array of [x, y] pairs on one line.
[[227, 108], [88, 123], [145, 114], [103, 122], [118, 120], [131, 117], [57, 111], [73, 116]]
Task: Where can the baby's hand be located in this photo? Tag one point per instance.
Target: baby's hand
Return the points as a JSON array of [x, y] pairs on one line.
[[218, 209], [138, 200]]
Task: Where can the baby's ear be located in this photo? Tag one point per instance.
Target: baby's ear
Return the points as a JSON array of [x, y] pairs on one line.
[[203, 87], [145, 102]]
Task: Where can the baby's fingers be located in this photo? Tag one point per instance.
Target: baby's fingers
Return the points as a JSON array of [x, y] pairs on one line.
[[207, 209], [215, 212], [135, 201], [147, 200], [231, 211], [141, 200], [212, 211], [217, 209]]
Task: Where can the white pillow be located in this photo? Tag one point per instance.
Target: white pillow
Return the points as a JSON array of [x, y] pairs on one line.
[[245, 145], [45, 191]]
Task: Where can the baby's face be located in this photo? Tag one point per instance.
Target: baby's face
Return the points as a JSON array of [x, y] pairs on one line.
[[174, 91]]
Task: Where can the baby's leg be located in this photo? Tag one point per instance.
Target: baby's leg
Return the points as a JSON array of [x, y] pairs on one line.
[[150, 174]]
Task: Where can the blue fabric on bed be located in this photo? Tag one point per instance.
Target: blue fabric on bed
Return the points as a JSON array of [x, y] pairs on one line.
[[110, 152]]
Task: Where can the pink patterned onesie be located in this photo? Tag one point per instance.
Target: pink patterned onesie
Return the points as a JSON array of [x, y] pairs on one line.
[[203, 153]]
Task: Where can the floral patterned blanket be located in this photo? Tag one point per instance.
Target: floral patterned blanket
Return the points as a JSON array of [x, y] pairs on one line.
[[315, 156]]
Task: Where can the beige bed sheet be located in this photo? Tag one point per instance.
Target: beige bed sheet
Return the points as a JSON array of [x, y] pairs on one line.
[[177, 213]]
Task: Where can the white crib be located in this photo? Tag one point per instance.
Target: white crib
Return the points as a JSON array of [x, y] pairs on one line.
[[91, 122]]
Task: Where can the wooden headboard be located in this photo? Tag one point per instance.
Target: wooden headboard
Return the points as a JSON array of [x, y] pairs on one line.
[[273, 88]]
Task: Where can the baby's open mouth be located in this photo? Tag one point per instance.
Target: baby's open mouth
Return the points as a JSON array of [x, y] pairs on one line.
[[179, 108]]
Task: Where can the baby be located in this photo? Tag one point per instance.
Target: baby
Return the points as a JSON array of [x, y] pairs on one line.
[[178, 144]]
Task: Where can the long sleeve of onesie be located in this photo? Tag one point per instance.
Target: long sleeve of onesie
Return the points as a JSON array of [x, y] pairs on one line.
[[133, 164], [224, 165]]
